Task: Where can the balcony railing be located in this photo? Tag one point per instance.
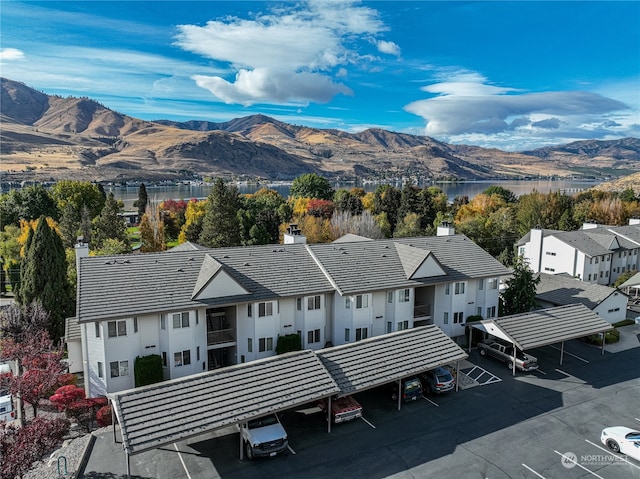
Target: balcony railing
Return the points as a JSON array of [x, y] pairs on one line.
[[422, 311], [221, 336]]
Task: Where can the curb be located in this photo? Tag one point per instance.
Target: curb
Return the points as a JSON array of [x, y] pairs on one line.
[[85, 457]]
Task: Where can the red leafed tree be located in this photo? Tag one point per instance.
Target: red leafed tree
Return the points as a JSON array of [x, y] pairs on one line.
[[103, 416], [42, 364], [321, 208], [73, 401], [22, 446]]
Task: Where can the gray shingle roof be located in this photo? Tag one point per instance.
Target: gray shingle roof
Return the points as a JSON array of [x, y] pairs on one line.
[[170, 411], [72, 329], [552, 325], [582, 241], [382, 359], [128, 285], [563, 289], [376, 265], [527, 237]]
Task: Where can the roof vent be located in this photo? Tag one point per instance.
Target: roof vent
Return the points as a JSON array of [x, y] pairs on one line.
[[247, 264], [190, 258], [126, 261], [226, 256], [384, 255], [180, 270], [344, 252]]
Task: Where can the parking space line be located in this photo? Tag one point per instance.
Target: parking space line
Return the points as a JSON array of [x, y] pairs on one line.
[[637, 419], [624, 458], [292, 451], [427, 399], [182, 461], [577, 464], [362, 417], [570, 354], [540, 371], [527, 467]]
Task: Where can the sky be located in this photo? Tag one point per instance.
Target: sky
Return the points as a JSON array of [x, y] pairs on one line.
[[509, 75]]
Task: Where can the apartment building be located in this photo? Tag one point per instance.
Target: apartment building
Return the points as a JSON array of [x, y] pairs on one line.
[[200, 308], [596, 254]]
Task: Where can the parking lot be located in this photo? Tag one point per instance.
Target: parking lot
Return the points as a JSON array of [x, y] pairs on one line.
[[544, 424]]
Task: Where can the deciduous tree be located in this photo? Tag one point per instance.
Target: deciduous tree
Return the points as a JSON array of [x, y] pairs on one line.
[[312, 185]]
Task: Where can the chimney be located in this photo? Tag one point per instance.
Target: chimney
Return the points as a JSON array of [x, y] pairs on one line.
[[82, 250], [634, 221], [589, 225], [294, 235], [445, 229]]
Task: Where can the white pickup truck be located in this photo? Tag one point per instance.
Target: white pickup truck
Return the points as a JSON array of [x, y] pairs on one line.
[[264, 437], [504, 353]]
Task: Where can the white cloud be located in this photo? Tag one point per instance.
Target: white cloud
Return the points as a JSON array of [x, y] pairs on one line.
[[390, 48], [10, 54], [265, 85], [466, 108], [287, 55]]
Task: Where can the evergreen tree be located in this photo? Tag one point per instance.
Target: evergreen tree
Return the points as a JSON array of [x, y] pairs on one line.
[[69, 225], [220, 226], [143, 201], [44, 277], [520, 293], [386, 200], [109, 224]]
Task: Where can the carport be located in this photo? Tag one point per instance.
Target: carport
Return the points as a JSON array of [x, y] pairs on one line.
[[381, 359], [544, 327], [179, 409]]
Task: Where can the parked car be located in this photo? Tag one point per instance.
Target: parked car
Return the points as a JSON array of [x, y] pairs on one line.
[[504, 352], [264, 436], [6, 407], [411, 389], [438, 380], [342, 409], [622, 439]]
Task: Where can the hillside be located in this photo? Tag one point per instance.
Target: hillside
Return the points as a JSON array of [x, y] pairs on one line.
[[620, 184], [53, 138]]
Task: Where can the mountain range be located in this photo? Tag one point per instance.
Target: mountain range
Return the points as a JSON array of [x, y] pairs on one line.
[[51, 137]]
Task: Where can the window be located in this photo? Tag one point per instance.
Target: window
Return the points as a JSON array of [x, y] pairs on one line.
[[521, 253], [601, 274], [589, 277], [119, 368], [403, 296], [481, 284], [265, 309], [135, 324], [347, 334], [164, 359], [347, 303], [198, 353], [389, 327], [265, 344], [491, 312], [361, 333], [549, 269], [313, 336], [100, 370], [97, 330], [299, 304], [249, 312], [117, 328], [459, 288], [479, 311], [446, 288], [610, 311], [313, 303], [493, 283], [446, 317], [250, 345], [163, 321], [403, 325], [550, 253], [362, 301], [182, 358], [458, 317], [390, 297], [181, 320]]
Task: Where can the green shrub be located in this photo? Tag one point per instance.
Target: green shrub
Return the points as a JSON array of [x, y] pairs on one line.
[[288, 343], [610, 337], [148, 370], [624, 322]]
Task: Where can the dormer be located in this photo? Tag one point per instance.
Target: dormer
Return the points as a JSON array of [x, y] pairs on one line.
[[418, 263], [214, 282]]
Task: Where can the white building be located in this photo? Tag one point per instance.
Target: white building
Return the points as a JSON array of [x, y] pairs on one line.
[[562, 289], [199, 309], [596, 254]]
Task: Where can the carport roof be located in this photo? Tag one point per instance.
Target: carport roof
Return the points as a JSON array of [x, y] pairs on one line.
[[381, 359], [546, 326], [175, 410]]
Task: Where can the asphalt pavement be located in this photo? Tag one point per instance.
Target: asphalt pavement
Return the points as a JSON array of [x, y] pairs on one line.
[[532, 425]]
